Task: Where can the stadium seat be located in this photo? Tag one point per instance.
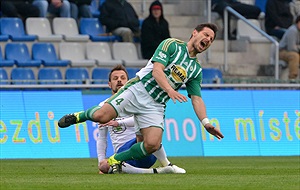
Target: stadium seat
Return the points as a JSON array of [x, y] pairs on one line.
[[211, 75], [14, 28], [3, 37], [4, 62], [127, 52], [46, 53], [50, 76], [20, 54], [76, 75], [261, 4], [100, 75], [75, 52], [69, 29], [94, 8], [132, 71], [42, 29], [93, 28], [246, 31], [101, 52], [22, 76], [3, 76]]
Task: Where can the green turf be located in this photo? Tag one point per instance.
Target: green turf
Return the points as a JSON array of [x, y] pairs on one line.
[[253, 173]]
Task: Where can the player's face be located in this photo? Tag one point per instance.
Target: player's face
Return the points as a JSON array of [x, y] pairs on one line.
[[118, 79], [203, 39]]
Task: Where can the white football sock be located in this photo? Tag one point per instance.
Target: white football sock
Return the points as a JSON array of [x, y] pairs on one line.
[[126, 168], [161, 155]]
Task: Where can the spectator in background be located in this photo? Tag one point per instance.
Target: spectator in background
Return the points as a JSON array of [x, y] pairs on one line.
[[19, 8], [55, 7], [278, 17], [80, 8], [120, 19], [295, 8], [155, 29], [289, 49], [246, 10]]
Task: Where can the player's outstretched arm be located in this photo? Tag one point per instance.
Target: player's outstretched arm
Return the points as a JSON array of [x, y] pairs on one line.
[[200, 110]]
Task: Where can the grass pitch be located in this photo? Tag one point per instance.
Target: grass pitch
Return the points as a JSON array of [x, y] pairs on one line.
[[221, 173]]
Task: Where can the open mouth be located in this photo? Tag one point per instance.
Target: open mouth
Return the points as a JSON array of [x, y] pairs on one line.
[[203, 44]]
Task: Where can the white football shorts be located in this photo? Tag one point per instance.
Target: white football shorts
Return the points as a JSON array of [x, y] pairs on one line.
[[134, 99]]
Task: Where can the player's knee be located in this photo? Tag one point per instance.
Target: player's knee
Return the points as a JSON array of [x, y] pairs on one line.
[[104, 114], [151, 146], [101, 117]]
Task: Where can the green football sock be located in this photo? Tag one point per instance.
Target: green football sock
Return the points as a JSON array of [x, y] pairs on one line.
[[136, 152], [88, 114]]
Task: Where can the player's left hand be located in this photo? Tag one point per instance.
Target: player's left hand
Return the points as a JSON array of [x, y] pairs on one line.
[[112, 123], [214, 131], [174, 95]]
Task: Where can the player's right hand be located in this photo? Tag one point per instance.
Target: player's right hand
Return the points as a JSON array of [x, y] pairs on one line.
[[174, 95]]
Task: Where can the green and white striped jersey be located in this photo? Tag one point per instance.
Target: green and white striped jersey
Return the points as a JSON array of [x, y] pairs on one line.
[[180, 69]]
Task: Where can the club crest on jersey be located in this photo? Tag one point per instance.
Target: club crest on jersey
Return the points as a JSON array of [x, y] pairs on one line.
[[178, 73], [119, 129]]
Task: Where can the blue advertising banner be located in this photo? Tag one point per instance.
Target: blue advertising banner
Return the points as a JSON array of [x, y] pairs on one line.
[[28, 125], [254, 123], [277, 122]]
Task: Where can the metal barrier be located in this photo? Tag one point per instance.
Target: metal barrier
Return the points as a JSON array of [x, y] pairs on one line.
[[231, 10]]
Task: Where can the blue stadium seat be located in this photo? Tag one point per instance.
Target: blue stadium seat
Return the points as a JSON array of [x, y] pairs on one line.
[[76, 75], [4, 62], [3, 76], [93, 28], [211, 75], [46, 53], [261, 4], [50, 76], [3, 37], [14, 28], [94, 8], [132, 71], [22, 76], [20, 54], [100, 75]]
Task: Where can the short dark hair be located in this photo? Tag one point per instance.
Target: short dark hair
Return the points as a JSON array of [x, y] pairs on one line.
[[298, 19], [212, 26], [117, 68]]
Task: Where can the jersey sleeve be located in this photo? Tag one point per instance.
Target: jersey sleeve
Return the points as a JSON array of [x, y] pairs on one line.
[[127, 122], [102, 143], [163, 52], [193, 86]]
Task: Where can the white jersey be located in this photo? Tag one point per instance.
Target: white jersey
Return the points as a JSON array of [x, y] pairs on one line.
[[119, 135]]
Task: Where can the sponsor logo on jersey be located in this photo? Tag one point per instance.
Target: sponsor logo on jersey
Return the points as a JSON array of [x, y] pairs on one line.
[[178, 73], [161, 56]]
